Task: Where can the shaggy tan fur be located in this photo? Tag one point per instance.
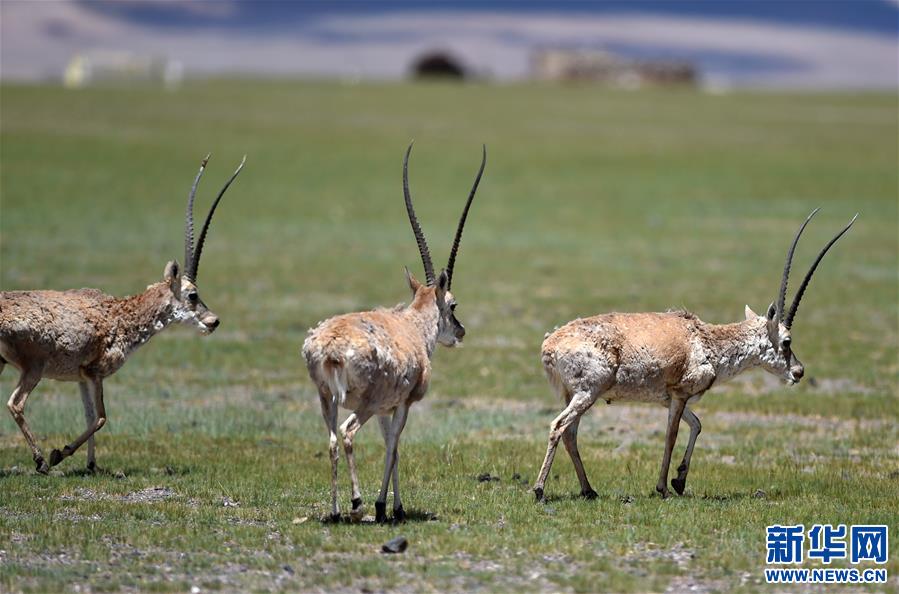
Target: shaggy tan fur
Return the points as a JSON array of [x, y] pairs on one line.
[[378, 363], [668, 358], [85, 336]]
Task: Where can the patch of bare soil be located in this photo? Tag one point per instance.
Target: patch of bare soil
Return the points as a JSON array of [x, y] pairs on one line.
[[679, 554], [69, 515], [683, 584], [148, 495], [764, 383], [638, 422], [83, 494]]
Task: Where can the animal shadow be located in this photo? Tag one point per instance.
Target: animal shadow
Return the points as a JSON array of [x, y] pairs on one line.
[[412, 516]]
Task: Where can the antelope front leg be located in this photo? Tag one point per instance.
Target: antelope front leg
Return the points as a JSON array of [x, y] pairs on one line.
[[28, 380], [391, 431], [90, 417], [675, 410], [680, 483], [579, 404], [349, 428], [96, 386]]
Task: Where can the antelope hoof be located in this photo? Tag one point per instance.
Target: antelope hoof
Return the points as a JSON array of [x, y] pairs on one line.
[[56, 457], [41, 465], [679, 484], [357, 511], [589, 494], [399, 515], [538, 495], [335, 518], [92, 467], [380, 512], [663, 491]]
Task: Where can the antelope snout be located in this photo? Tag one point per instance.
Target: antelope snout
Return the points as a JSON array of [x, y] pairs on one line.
[[796, 373], [460, 332], [211, 323]]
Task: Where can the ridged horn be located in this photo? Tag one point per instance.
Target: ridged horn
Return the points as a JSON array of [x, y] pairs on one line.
[[413, 220], [788, 322], [189, 216], [782, 295], [458, 238], [194, 265]]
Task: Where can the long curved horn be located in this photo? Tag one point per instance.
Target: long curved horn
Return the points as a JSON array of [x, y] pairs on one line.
[[413, 220], [782, 296], [189, 216], [788, 322], [458, 238], [195, 263]]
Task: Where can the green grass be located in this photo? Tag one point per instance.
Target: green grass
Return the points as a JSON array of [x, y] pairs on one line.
[[592, 201]]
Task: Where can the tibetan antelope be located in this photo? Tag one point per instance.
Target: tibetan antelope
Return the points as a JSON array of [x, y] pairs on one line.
[[667, 358], [85, 335], [379, 362]]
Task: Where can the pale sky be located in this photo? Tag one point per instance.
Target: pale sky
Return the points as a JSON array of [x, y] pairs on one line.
[[38, 38]]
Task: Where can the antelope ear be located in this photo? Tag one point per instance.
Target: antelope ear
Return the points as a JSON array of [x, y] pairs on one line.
[[749, 313], [414, 285], [442, 283], [773, 324], [172, 276]]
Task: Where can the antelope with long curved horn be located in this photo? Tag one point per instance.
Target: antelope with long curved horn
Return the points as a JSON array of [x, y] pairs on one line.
[[669, 358], [379, 362], [85, 335]]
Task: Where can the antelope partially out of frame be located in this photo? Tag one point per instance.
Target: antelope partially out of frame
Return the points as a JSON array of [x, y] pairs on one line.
[[669, 358], [85, 335], [379, 362]]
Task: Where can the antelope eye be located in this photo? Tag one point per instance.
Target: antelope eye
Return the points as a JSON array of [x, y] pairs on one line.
[[785, 343], [452, 307], [192, 296]]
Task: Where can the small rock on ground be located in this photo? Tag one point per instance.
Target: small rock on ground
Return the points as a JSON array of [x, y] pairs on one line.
[[395, 545]]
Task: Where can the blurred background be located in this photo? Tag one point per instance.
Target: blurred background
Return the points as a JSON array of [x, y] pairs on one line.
[[826, 44], [642, 155]]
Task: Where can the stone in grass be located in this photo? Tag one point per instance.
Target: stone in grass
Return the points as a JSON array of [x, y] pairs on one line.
[[759, 494], [395, 545]]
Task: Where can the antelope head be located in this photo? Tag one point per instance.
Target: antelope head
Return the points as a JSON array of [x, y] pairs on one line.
[[188, 307], [449, 330], [778, 357]]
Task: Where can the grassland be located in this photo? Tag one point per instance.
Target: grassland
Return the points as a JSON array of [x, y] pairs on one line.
[[215, 467]]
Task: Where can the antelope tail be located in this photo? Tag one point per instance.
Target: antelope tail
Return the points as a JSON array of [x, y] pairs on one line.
[[335, 375]]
